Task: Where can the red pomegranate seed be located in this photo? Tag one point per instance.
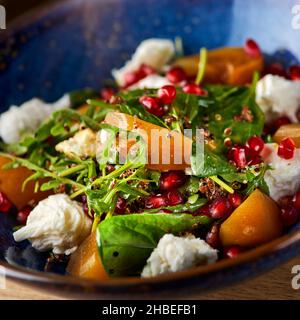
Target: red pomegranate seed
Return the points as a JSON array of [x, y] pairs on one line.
[[212, 237], [176, 75], [294, 72], [280, 122], [275, 69], [171, 180], [167, 94], [174, 198], [235, 200], [220, 208], [256, 144], [146, 70], [23, 215], [120, 206], [252, 48], [5, 204], [232, 252], [286, 149], [238, 155], [131, 78], [152, 105], [285, 201], [107, 93], [203, 211], [192, 88], [289, 215], [296, 200], [156, 201]]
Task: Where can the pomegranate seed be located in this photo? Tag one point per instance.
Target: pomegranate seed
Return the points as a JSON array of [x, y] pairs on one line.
[[289, 215], [294, 72], [131, 78], [192, 88], [238, 155], [280, 122], [120, 206], [146, 70], [256, 144], [174, 198], [5, 204], [212, 237], [85, 208], [286, 149], [155, 201], [296, 200], [203, 211], [107, 93], [220, 208], [255, 160], [167, 94], [235, 200], [252, 48], [176, 75], [232, 252], [23, 215], [276, 69], [172, 180], [152, 105], [285, 201]]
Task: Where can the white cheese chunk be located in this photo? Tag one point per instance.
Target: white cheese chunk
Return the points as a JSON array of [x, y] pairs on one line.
[[174, 254], [56, 223], [153, 52], [81, 145], [278, 97], [153, 81], [28, 117], [284, 177]]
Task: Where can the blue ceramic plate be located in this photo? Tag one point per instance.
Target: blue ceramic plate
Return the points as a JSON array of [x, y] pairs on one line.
[[75, 44]]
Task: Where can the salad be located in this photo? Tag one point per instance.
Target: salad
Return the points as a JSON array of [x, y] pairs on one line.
[[181, 161]]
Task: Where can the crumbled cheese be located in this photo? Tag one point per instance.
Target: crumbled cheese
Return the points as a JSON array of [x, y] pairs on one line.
[[81, 145], [153, 81], [27, 117], [56, 223], [278, 97], [174, 254], [284, 178], [153, 52]]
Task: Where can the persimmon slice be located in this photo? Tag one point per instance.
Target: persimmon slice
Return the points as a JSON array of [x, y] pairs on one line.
[[230, 65]]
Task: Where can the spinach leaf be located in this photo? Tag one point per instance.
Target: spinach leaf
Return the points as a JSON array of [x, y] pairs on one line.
[[212, 164], [125, 242], [80, 97], [235, 109]]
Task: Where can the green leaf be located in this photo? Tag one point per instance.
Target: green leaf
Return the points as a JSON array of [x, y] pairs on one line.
[[53, 184], [212, 164], [125, 242], [79, 97]]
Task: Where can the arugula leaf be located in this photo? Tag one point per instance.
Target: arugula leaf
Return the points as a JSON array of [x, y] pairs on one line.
[[125, 242], [79, 97]]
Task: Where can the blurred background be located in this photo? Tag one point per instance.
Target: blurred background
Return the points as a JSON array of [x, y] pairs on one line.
[[17, 7]]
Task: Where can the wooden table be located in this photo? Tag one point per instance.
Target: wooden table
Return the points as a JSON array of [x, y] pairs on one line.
[[275, 284]]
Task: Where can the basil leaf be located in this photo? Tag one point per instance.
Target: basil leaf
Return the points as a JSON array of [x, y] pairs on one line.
[[125, 242]]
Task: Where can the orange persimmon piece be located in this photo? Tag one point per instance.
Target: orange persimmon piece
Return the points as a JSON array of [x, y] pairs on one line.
[[288, 131], [11, 184], [254, 222], [229, 65], [167, 150], [85, 262]]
